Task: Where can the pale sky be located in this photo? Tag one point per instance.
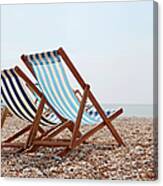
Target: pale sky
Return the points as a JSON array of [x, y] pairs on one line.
[[110, 43]]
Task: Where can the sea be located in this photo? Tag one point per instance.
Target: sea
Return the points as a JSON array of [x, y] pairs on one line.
[[130, 110]]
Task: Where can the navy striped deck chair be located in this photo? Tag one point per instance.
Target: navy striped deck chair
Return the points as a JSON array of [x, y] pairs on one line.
[[19, 101], [49, 71]]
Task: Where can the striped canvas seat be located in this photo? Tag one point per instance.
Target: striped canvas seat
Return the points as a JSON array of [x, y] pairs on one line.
[[91, 111], [18, 99], [55, 86]]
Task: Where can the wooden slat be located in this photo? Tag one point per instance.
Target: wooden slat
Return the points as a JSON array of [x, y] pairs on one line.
[[72, 68], [58, 130], [53, 143], [48, 131], [115, 115], [19, 133], [35, 124], [25, 60], [79, 116], [16, 145]]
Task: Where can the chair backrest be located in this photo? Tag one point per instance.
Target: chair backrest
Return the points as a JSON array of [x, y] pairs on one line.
[[52, 78], [18, 99]]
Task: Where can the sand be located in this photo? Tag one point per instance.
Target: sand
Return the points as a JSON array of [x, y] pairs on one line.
[[100, 158]]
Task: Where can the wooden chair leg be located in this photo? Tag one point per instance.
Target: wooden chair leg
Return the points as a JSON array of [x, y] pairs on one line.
[[79, 116], [19, 133], [97, 128], [4, 115], [71, 127], [35, 124]]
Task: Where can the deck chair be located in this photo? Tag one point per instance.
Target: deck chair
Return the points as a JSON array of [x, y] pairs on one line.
[[49, 71], [19, 101]]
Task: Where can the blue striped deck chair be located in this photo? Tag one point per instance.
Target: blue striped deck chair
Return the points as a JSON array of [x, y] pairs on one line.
[[19, 101], [49, 71]]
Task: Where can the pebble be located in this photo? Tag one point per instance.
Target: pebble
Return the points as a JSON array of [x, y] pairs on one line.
[[139, 150], [100, 158]]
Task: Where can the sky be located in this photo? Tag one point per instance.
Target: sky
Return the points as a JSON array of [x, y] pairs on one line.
[[110, 43]]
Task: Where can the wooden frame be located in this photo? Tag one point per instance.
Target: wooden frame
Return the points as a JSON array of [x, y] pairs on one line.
[[30, 144], [77, 138]]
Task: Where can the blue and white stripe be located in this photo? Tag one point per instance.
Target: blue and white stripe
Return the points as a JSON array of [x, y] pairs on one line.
[[55, 86]]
